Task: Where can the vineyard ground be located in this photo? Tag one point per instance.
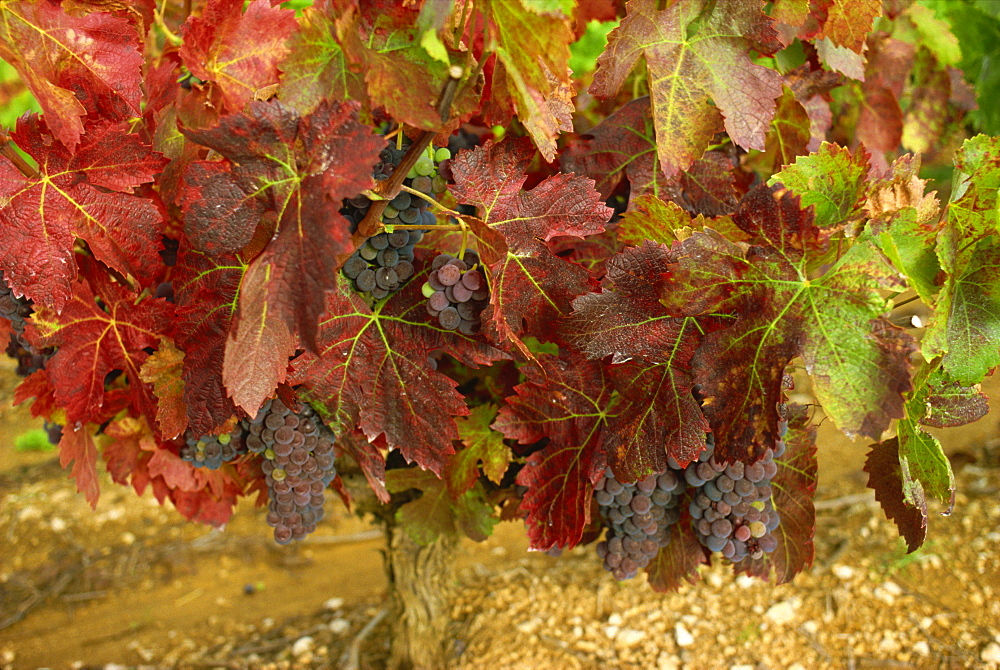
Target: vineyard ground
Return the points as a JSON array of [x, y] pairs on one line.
[[133, 584]]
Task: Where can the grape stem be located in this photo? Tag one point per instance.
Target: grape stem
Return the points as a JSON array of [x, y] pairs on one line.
[[7, 151], [432, 201]]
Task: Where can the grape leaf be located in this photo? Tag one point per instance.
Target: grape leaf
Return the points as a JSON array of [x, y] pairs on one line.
[[921, 456], [848, 22], [657, 416], [436, 512], [966, 328], [92, 342], [569, 403], [206, 289], [532, 47], [793, 489], [369, 459], [372, 371], [73, 64], [885, 478], [880, 119], [788, 137], [696, 52], [316, 67], [77, 446], [832, 180], [621, 146], [86, 194], [294, 168], [237, 51], [529, 286], [833, 321], [949, 404], [163, 369], [928, 113], [652, 219], [482, 445], [382, 39]]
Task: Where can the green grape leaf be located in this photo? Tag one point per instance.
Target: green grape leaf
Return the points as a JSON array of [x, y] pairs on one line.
[[858, 362], [435, 513], [832, 180], [482, 445]]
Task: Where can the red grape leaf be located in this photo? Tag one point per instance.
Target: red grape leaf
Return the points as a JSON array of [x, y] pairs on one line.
[[696, 52], [657, 417], [709, 187], [298, 170], [77, 446], [858, 362], [483, 445], [621, 146], [680, 559], [529, 285], [652, 219], [885, 478], [436, 512], [91, 342], [73, 64], [134, 456], [950, 404], [163, 370], [793, 487], [847, 22], [569, 403], [206, 290], [533, 47], [235, 50], [383, 40], [316, 67], [86, 194], [369, 459], [38, 389], [372, 371], [880, 120]]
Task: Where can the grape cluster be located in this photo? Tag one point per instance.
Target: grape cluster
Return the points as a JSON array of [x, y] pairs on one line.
[[385, 261], [211, 451], [298, 465], [731, 509], [456, 292], [14, 309], [638, 517], [17, 310]]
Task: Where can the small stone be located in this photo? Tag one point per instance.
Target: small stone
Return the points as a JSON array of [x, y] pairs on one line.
[[611, 631], [629, 637], [921, 648], [683, 636], [741, 666], [811, 627], [667, 661], [303, 645], [781, 613], [333, 604], [745, 582], [991, 653], [616, 619], [843, 572], [796, 666], [339, 626], [893, 588], [58, 524]]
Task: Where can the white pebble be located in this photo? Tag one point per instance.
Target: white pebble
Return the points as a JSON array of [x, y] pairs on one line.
[[991, 654], [811, 627], [302, 645], [333, 604], [58, 524], [683, 636], [616, 619], [741, 666], [667, 661], [339, 626], [745, 581], [629, 637], [843, 572], [781, 613], [611, 631], [921, 648], [893, 588]]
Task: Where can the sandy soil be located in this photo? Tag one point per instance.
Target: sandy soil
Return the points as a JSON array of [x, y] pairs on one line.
[[133, 585]]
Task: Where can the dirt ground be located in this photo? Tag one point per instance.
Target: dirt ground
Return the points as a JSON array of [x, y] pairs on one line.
[[132, 585]]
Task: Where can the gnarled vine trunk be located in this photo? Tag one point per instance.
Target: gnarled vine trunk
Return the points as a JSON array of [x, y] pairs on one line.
[[422, 587]]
